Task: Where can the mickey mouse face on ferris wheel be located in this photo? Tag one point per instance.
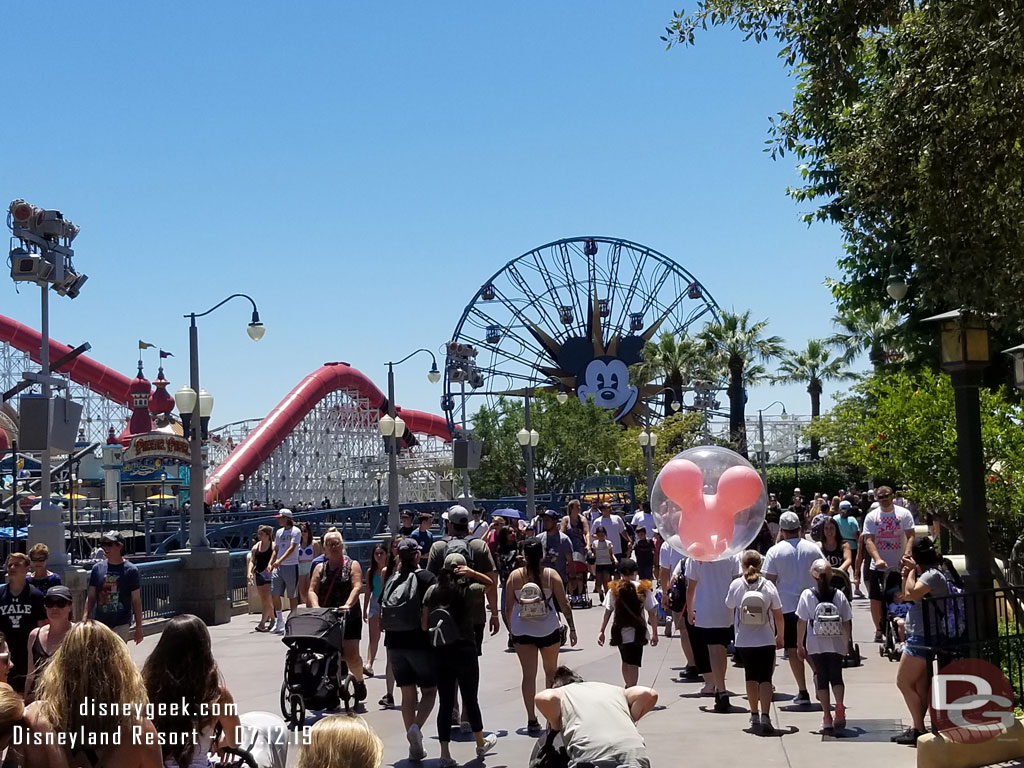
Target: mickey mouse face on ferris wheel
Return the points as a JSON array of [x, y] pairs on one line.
[[604, 378]]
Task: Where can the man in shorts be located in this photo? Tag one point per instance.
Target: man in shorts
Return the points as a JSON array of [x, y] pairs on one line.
[[285, 567], [888, 537]]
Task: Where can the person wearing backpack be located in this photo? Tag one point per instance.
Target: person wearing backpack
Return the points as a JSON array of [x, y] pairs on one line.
[[405, 637], [627, 601], [707, 584], [923, 575], [759, 627], [447, 612], [532, 596], [823, 630]]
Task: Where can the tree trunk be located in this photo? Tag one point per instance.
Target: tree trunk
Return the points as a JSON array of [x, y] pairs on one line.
[[737, 415], [815, 391]]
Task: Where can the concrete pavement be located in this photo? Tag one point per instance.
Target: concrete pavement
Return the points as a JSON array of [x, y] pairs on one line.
[[681, 727]]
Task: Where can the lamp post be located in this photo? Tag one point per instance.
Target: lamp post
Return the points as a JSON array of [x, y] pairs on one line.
[[393, 427], [964, 355], [195, 405], [648, 441], [528, 439], [760, 437], [163, 480]]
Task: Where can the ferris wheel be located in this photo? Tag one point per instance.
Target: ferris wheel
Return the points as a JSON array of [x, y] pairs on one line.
[[570, 317]]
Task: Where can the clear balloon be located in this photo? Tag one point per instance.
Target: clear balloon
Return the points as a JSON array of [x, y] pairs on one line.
[[709, 503]]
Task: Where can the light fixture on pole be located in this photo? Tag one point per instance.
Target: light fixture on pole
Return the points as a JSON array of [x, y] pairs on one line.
[[1017, 353], [392, 427], [760, 436], [195, 406], [528, 440], [895, 285], [964, 344], [648, 442]]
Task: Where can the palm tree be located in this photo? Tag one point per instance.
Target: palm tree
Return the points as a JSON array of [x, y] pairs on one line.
[[814, 365], [737, 345], [870, 329], [671, 362]]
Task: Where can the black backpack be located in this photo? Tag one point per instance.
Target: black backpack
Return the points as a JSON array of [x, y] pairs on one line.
[[400, 603], [459, 547], [547, 755]]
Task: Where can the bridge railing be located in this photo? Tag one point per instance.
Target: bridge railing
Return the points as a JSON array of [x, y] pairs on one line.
[[155, 588]]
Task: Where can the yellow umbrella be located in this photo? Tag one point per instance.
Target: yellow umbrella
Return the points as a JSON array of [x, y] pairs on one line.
[[75, 496], [161, 497]]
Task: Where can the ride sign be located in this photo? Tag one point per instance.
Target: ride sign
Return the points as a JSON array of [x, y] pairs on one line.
[[971, 701], [164, 446]]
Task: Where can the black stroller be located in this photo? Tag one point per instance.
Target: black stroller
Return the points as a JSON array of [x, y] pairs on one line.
[[315, 674]]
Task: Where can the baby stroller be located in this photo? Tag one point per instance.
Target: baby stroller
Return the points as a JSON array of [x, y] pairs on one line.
[[664, 617], [263, 743], [315, 674], [578, 567], [841, 582], [895, 614]]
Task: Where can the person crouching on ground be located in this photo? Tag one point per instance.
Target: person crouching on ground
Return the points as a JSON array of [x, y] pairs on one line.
[[759, 632], [597, 721], [627, 600]]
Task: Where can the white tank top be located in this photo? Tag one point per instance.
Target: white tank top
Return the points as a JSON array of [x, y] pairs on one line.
[[305, 554], [537, 627], [201, 757]]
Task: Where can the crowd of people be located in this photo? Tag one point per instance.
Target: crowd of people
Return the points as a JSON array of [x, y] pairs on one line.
[[432, 599]]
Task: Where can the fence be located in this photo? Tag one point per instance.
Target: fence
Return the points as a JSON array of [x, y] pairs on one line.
[[238, 585], [987, 624], [155, 588]]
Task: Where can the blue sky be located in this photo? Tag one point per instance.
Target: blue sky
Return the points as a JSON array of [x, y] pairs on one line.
[[361, 171]]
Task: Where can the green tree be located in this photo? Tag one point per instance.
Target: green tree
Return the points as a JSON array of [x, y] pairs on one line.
[[870, 328], [572, 435], [672, 361], [908, 119], [739, 346], [814, 366], [675, 434]]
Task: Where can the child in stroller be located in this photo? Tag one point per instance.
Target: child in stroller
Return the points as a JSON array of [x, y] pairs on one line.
[[893, 633], [316, 676]]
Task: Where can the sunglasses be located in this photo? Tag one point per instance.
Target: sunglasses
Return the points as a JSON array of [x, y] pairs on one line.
[[38, 559], [55, 603], [883, 496], [106, 544]]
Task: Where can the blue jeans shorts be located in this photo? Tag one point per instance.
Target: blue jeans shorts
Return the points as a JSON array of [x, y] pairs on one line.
[[915, 647]]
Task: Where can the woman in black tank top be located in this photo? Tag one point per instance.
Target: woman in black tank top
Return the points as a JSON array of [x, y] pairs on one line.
[[259, 561], [835, 549]]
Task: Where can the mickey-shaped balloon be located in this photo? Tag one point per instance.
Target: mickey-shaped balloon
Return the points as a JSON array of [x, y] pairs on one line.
[[710, 501]]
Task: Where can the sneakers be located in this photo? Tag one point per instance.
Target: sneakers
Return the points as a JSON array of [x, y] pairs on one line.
[[688, 674], [708, 689], [721, 703], [387, 701], [908, 737], [840, 721], [755, 721], [415, 737], [359, 691], [490, 742], [367, 671], [802, 699], [766, 724], [878, 636], [532, 726], [278, 628], [448, 762]]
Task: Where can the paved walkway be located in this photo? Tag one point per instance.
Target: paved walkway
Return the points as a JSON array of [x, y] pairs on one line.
[[682, 728]]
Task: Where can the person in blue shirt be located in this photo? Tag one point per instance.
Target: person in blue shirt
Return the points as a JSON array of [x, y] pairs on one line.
[[114, 590], [422, 535], [40, 578]]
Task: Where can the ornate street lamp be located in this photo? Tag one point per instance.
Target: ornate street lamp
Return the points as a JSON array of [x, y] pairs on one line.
[[648, 442]]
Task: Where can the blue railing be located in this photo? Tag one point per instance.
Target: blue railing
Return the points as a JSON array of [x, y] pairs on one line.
[[238, 585], [156, 589]]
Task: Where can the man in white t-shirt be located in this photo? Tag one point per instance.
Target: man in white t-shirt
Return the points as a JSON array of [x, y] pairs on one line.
[[478, 527], [788, 564], [614, 526], [643, 518], [285, 567], [888, 536], [595, 510], [707, 584]]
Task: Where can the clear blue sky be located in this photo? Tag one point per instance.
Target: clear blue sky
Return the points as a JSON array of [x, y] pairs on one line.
[[361, 171]]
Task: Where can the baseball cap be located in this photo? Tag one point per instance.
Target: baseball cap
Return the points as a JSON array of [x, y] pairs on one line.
[[114, 537], [454, 560], [844, 504], [796, 490], [408, 546], [458, 515], [552, 514], [789, 521], [285, 513], [60, 592], [819, 567]]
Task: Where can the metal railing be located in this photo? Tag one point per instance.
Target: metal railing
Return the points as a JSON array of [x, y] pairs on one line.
[[238, 586], [155, 588], [986, 624]]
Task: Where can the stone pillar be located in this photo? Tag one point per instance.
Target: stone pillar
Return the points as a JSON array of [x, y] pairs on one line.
[[200, 585]]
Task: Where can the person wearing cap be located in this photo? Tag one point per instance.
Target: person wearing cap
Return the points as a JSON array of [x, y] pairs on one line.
[[114, 590], [407, 526], [44, 641], [849, 529], [888, 536], [337, 582], [557, 545], [285, 567], [41, 578], [478, 527], [788, 564], [477, 554], [409, 650], [21, 611]]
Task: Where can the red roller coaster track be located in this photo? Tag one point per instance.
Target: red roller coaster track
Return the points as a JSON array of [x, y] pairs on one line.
[[261, 442]]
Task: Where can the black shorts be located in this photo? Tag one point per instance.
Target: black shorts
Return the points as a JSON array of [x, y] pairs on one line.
[[555, 638], [412, 667], [758, 663], [353, 623], [880, 581], [828, 670], [715, 635], [604, 568], [260, 580], [789, 630], [632, 653]]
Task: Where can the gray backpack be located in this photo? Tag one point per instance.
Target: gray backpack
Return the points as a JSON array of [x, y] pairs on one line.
[[400, 603]]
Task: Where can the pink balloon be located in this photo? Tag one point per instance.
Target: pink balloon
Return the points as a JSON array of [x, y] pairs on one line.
[[707, 519]]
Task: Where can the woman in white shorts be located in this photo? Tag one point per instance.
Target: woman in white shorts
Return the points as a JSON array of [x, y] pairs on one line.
[[309, 549]]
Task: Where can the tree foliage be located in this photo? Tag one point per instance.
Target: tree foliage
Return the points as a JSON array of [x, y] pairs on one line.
[[901, 428], [908, 120], [676, 433]]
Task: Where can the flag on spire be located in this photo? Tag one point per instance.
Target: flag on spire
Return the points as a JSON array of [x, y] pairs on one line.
[[165, 354], [143, 345]]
